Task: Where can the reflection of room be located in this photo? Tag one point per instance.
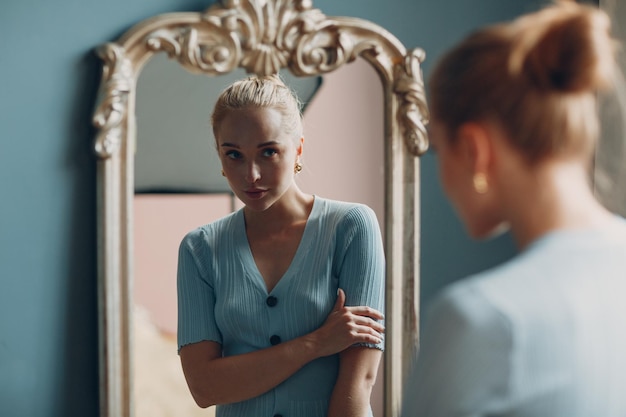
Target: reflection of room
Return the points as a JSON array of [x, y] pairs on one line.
[[160, 223], [343, 159]]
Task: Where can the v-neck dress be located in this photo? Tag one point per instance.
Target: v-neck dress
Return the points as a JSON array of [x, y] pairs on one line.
[[222, 297]]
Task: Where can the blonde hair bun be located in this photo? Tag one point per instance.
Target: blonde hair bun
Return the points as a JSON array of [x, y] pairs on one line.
[[565, 47]]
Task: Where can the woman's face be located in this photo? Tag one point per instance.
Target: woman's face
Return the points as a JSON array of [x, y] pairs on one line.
[[257, 157]]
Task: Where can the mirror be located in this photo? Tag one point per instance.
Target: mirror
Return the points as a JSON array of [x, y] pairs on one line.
[[218, 41]]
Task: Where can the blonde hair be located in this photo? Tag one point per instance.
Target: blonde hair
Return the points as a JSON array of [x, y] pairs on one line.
[[537, 77], [265, 91]]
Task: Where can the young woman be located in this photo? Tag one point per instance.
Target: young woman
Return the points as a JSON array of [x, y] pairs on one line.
[[280, 302], [514, 126]]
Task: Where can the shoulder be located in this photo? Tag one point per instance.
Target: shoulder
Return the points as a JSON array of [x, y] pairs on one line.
[[490, 299], [348, 214], [462, 322], [508, 293], [209, 235], [548, 265], [466, 304]]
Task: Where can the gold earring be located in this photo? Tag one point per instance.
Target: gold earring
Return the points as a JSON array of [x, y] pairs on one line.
[[223, 173], [297, 168], [480, 183]]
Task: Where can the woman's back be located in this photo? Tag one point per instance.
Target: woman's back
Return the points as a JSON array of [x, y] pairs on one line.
[[543, 334]]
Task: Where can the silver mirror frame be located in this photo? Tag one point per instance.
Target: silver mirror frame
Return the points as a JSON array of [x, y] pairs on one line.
[[261, 36]]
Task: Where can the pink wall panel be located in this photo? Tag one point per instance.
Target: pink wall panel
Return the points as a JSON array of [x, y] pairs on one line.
[[343, 149], [161, 221]]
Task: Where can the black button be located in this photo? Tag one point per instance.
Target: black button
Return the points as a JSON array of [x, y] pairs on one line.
[[278, 415], [271, 301], [274, 340]]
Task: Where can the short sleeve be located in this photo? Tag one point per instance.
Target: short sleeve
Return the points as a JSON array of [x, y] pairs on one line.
[[196, 295], [362, 267], [464, 363]]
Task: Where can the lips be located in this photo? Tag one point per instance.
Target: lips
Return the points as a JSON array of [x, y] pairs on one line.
[[255, 193]]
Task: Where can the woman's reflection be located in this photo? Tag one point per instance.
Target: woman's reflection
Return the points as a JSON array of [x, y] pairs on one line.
[[279, 303]]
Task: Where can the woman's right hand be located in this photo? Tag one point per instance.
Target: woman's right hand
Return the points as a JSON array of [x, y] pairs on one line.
[[346, 326]]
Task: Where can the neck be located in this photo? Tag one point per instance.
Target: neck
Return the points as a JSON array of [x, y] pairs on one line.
[[553, 196], [292, 208]]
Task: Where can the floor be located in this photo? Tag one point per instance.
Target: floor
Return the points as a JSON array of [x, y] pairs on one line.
[[159, 384]]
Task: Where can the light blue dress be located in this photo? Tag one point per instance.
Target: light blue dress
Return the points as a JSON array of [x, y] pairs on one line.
[[222, 297], [542, 335]]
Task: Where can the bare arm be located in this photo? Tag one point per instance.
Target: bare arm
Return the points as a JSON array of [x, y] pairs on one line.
[[357, 374], [213, 379]]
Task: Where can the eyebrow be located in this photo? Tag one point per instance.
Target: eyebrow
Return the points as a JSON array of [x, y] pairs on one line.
[[261, 145]]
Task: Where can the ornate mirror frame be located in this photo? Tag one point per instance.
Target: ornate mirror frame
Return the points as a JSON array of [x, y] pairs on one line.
[[261, 36]]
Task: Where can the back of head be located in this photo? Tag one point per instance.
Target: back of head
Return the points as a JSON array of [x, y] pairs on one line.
[[256, 91], [537, 77]]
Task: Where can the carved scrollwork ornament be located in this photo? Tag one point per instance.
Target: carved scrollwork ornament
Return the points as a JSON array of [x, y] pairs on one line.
[[112, 107], [262, 38], [215, 53], [257, 36], [413, 112]]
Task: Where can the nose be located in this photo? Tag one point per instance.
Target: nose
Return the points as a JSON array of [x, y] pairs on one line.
[[253, 173]]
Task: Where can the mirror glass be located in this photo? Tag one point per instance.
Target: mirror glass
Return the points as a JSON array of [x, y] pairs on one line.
[[178, 187]]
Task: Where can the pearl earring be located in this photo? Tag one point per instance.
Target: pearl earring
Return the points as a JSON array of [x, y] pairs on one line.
[[480, 183]]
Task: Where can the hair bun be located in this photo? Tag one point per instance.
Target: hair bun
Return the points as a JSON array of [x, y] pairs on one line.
[[566, 47]]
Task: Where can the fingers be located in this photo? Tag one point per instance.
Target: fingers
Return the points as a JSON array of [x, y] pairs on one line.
[[365, 311], [360, 315], [356, 324], [367, 334], [341, 299], [368, 322], [346, 326], [363, 325]]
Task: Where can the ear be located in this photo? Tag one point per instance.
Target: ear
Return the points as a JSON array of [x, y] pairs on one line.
[[476, 146], [300, 146]]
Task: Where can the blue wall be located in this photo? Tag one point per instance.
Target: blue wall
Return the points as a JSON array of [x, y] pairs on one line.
[[48, 82]]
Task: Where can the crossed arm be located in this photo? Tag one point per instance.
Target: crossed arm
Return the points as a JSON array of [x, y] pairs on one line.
[[213, 379]]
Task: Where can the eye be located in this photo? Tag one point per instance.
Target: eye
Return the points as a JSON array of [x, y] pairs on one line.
[[269, 152], [233, 154]]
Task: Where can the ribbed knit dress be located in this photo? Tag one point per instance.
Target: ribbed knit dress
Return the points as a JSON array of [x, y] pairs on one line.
[[222, 297]]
